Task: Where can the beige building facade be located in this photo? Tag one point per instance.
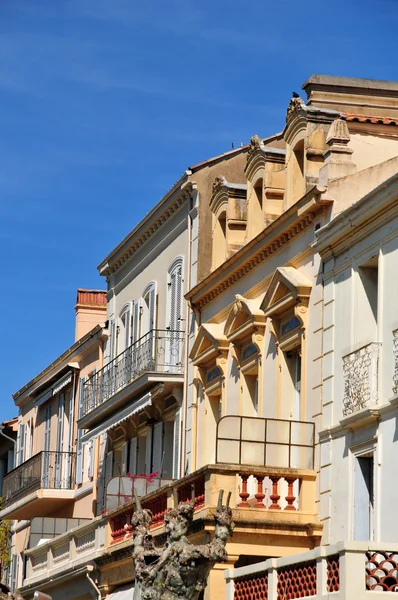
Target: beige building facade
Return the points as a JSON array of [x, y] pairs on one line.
[[225, 360]]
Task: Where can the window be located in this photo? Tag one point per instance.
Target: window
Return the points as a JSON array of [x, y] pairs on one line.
[[148, 309], [291, 383], [367, 301], [123, 330], [364, 497], [220, 240]]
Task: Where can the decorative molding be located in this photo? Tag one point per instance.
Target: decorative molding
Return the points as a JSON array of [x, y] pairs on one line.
[[256, 259], [295, 107], [112, 267], [360, 371]]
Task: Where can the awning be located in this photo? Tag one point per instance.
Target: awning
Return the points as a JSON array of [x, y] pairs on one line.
[[120, 416], [124, 592], [54, 389]]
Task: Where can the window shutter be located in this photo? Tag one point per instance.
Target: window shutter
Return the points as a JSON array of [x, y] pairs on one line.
[[157, 447], [177, 445], [152, 307], [47, 429], [108, 467], [133, 456], [125, 451], [112, 335], [14, 571], [79, 448], [90, 470], [101, 473], [21, 456], [135, 321], [127, 328], [148, 452]]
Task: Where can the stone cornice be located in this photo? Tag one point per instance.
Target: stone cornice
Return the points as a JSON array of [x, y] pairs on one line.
[[280, 232]]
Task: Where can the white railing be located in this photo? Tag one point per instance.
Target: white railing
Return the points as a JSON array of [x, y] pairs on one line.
[[76, 547], [361, 379], [344, 571]]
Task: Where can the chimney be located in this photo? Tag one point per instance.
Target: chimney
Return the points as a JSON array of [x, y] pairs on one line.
[[90, 311]]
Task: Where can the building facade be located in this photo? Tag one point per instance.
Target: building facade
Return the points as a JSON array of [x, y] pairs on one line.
[[51, 488], [248, 349]]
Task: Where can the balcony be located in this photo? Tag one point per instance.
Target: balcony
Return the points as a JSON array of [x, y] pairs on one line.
[[347, 570], [282, 501], [361, 380], [156, 357], [66, 552], [42, 483]]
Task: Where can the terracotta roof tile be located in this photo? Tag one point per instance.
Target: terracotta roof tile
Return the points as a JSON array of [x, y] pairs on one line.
[[358, 118]]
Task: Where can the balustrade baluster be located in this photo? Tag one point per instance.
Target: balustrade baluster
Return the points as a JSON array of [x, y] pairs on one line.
[[275, 496], [260, 493], [244, 494], [290, 498]]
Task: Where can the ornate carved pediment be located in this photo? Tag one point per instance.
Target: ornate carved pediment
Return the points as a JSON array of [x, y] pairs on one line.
[[295, 107], [255, 145], [209, 342], [289, 287], [244, 318], [218, 183]]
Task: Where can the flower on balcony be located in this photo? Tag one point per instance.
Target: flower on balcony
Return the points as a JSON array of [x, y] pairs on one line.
[[150, 477]]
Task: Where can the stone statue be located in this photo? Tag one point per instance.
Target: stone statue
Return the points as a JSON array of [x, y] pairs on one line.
[[179, 570]]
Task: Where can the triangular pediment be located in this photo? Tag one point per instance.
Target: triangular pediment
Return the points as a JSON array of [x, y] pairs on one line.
[[243, 315], [287, 286], [209, 340]]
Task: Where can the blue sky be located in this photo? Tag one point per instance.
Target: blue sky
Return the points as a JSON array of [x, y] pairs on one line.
[[103, 105]]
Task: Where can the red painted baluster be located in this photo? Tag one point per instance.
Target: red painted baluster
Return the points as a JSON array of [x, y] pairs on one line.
[[260, 494], [290, 498], [275, 496], [244, 494]]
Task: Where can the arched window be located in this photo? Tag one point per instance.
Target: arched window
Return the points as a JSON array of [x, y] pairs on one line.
[[174, 314], [124, 329], [174, 295], [148, 312]]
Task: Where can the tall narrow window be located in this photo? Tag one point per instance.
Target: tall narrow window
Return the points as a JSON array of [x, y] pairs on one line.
[[124, 329], [367, 299], [148, 316], [364, 498], [174, 316], [291, 384], [220, 240]]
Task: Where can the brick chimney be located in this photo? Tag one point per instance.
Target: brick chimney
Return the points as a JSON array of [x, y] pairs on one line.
[[90, 311]]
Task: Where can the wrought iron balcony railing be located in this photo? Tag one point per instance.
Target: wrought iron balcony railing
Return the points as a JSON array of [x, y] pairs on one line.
[[157, 351], [45, 470], [361, 379]]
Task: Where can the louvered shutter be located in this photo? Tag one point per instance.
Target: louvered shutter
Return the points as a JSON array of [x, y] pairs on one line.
[[101, 473], [108, 467], [177, 446], [152, 306], [148, 452], [90, 470], [135, 321], [127, 319], [14, 571], [21, 456], [79, 448], [133, 456], [157, 447], [58, 456], [125, 451], [112, 335]]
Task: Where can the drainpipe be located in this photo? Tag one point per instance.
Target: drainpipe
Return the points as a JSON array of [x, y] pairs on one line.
[[90, 569], [6, 436]]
